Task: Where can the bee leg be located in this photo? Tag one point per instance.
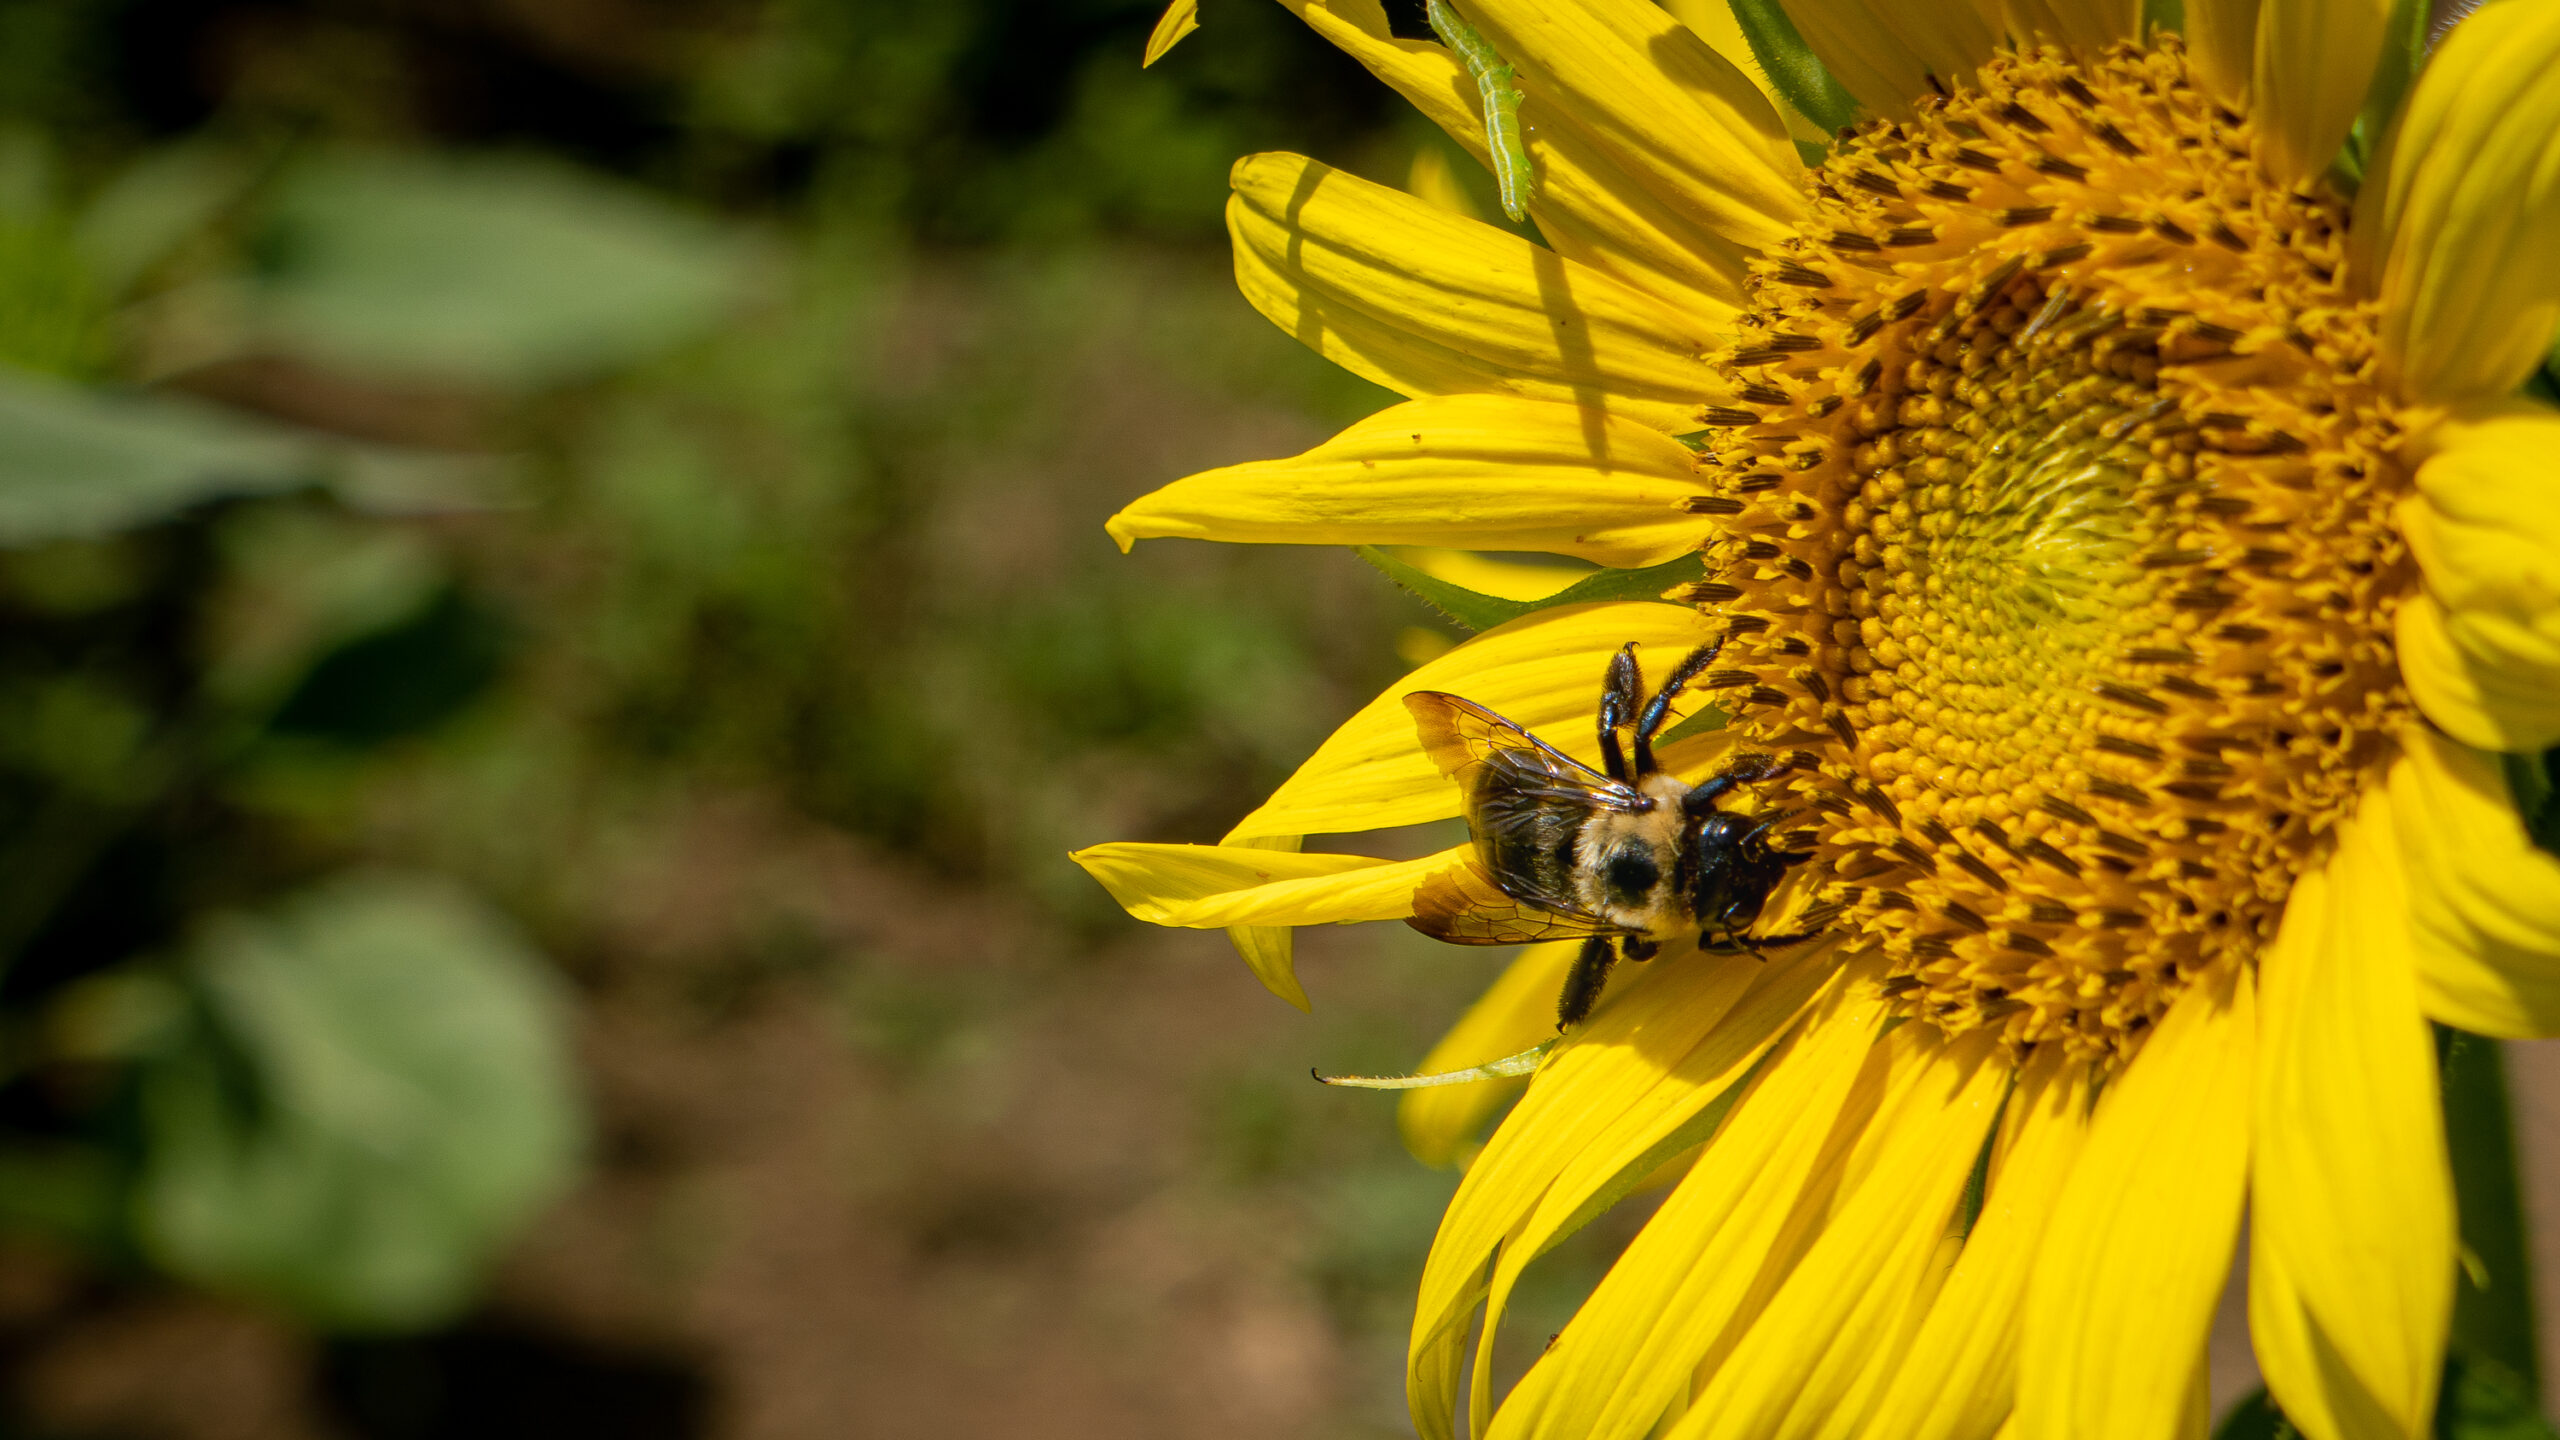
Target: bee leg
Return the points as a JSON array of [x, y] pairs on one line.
[[1637, 947], [1745, 770], [1797, 938], [1620, 694], [1654, 714], [1583, 982]]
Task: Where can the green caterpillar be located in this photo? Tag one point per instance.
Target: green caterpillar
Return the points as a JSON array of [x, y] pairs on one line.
[[1493, 76]]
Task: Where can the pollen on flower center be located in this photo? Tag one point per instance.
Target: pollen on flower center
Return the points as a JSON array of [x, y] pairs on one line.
[[2057, 539]]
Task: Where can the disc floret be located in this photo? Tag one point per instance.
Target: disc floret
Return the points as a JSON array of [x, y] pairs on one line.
[[2055, 529]]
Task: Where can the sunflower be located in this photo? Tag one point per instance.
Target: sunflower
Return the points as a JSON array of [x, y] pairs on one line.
[[2113, 485]]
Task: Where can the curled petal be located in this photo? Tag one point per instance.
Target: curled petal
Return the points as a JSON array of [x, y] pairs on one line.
[[2483, 658], [2484, 900], [2460, 207]]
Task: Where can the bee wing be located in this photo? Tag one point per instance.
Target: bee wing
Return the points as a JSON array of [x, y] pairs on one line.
[[1462, 738], [1463, 906]]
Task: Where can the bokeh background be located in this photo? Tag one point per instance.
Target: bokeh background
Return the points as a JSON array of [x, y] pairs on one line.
[[555, 634]]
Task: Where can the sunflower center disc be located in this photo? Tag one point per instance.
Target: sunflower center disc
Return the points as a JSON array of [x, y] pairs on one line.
[[2057, 537]]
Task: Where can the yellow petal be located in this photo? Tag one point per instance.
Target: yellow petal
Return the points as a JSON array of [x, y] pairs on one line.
[[2120, 1302], [1428, 303], [2483, 660], [2222, 45], [2461, 206], [2484, 901], [1691, 130], [1500, 576], [1270, 951], [1669, 1119], [1179, 19], [1541, 671], [1721, 1241], [2351, 1197], [1884, 51], [1588, 209], [1475, 472], [1168, 884], [1653, 1063], [1959, 1377], [2314, 61], [1439, 1123], [2086, 25], [1837, 1327]]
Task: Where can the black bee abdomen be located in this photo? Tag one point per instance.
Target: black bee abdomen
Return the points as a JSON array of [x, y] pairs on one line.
[[1631, 875]]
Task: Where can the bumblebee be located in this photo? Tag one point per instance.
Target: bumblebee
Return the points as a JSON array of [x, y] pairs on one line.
[[1626, 856]]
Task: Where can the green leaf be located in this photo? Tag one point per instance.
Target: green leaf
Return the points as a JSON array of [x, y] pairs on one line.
[[2483, 1400], [1791, 65], [2494, 1320], [504, 273], [398, 681], [1478, 611], [2535, 782], [2159, 15], [147, 211], [378, 1096], [2404, 52], [78, 463]]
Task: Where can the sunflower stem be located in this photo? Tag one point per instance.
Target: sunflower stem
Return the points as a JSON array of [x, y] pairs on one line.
[[2493, 1297]]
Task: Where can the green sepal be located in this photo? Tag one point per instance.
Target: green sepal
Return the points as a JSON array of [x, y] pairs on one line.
[[1801, 77], [2493, 1298], [1478, 611], [2535, 782], [2477, 1400], [1708, 718], [2163, 15], [2544, 384], [2484, 1400], [2404, 51]]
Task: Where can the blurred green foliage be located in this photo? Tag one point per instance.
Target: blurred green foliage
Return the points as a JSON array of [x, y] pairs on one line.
[[496, 422]]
